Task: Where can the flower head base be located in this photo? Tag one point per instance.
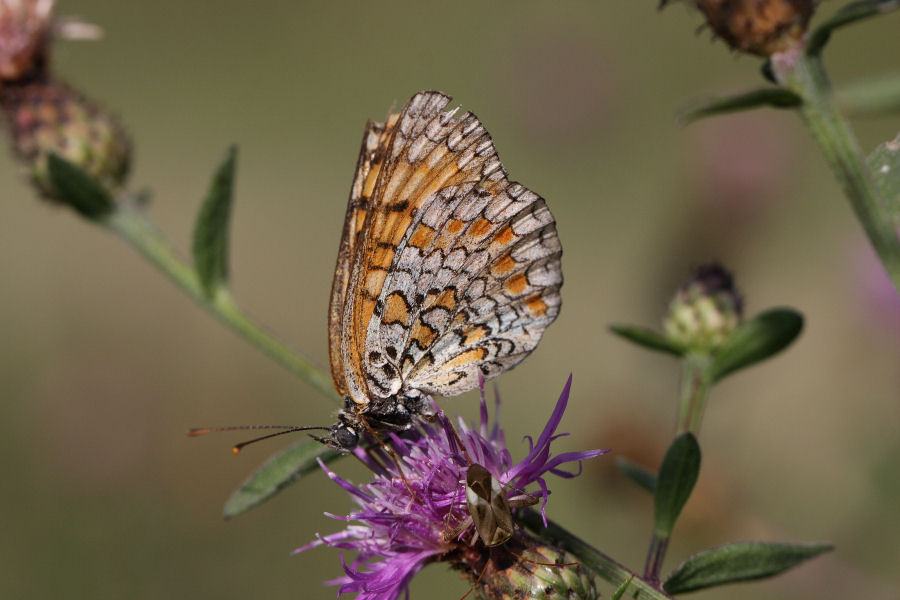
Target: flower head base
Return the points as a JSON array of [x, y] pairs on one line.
[[417, 514], [706, 309], [536, 571], [45, 115]]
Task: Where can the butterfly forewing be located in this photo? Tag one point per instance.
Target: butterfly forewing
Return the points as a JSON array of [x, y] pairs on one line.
[[447, 269], [371, 158]]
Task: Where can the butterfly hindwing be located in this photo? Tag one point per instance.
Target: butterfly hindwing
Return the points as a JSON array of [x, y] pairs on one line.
[[447, 270]]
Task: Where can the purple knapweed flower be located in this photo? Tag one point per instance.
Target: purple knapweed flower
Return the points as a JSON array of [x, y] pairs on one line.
[[410, 517]]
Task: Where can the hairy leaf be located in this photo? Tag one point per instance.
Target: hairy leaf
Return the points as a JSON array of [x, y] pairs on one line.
[[640, 476], [211, 228], [851, 13], [648, 339], [675, 482], [278, 472], [742, 561], [773, 97], [760, 338]]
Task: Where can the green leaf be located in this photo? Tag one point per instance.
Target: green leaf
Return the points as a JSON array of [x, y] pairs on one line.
[[278, 472], [873, 96], [675, 482], [743, 561], [621, 589], [851, 13], [640, 476], [884, 163], [211, 229], [774, 97], [648, 339], [760, 338], [76, 188]]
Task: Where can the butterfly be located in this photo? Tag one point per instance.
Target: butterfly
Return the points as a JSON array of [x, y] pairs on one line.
[[446, 270]]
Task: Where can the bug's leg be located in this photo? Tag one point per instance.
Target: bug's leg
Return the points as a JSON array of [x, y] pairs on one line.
[[523, 500], [451, 535], [474, 585]]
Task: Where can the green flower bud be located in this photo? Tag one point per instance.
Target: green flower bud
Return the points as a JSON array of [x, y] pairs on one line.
[[526, 568], [44, 115], [705, 310]]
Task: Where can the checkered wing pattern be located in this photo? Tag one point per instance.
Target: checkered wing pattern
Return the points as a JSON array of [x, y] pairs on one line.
[[447, 270]]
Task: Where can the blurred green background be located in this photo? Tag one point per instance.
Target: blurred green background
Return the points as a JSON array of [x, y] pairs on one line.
[[105, 364]]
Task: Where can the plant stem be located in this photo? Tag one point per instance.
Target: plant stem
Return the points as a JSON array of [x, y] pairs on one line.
[[696, 380], [695, 383], [132, 226], [655, 556], [605, 567], [805, 75]]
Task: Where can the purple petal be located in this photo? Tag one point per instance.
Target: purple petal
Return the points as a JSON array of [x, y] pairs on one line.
[[556, 417], [349, 487]]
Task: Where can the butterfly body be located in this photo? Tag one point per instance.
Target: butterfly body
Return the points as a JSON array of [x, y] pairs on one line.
[[446, 270]]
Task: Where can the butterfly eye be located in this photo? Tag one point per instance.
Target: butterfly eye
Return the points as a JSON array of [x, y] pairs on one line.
[[346, 437]]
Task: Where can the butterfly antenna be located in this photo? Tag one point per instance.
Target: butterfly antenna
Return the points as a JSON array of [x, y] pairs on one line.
[[236, 449], [197, 431]]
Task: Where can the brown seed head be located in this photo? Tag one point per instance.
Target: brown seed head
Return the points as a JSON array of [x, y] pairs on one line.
[[760, 27]]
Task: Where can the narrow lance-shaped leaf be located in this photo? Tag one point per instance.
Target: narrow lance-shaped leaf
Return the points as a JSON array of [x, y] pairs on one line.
[[76, 188], [640, 476], [884, 163], [211, 229], [773, 97], [648, 339], [851, 13], [742, 561], [620, 591], [675, 482], [278, 472], [760, 338]]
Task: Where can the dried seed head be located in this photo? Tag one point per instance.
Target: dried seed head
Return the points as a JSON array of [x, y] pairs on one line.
[[45, 115], [706, 309], [760, 27]]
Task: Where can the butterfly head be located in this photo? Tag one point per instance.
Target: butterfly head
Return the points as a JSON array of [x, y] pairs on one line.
[[343, 437]]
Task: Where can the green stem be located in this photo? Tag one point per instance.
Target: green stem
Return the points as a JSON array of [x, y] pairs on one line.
[[695, 383], [605, 567], [805, 75], [655, 556], [132, 226]]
